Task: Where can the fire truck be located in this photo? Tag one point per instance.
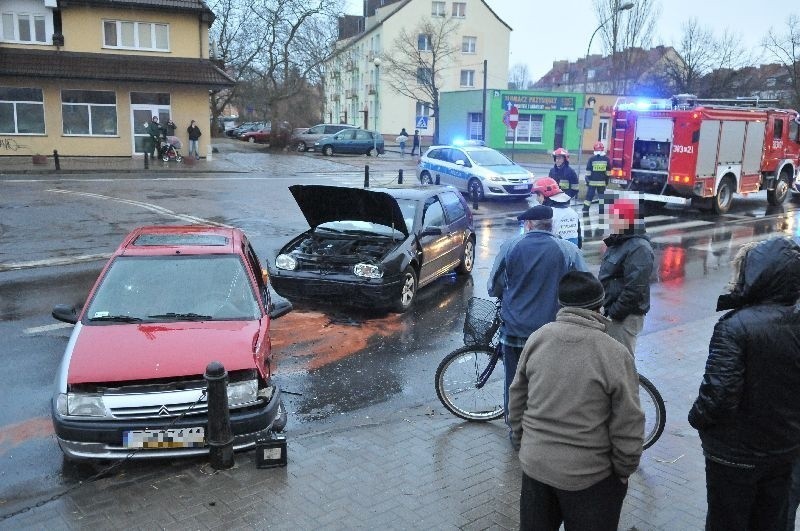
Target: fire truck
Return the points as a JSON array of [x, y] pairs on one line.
[[683, 150]]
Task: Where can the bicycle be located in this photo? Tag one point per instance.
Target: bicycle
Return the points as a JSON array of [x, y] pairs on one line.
[[470, 387]]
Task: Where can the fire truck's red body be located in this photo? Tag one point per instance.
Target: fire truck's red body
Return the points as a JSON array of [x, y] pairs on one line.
[[680, 151]]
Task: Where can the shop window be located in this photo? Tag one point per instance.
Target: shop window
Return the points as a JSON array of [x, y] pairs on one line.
[[475, 126], [21, 111], [89, 112], [529, 129], [135, 35]]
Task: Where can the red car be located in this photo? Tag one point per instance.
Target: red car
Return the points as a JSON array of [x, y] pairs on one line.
[[260, 136], [169, 301]]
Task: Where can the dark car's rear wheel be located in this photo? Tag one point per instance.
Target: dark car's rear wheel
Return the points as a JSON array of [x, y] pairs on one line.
[[408, 290], [327, 151], [468, 259]]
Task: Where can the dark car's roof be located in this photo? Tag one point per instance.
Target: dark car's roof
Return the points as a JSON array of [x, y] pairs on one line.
[[322, 204]]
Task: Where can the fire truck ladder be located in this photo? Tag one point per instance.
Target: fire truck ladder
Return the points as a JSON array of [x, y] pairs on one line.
[[620, 127]]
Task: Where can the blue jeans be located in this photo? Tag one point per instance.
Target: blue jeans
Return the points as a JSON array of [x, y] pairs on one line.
[[193, 147], [510, 360]]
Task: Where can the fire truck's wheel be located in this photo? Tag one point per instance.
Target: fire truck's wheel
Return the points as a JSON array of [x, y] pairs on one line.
[[722, 201], [777, 196]]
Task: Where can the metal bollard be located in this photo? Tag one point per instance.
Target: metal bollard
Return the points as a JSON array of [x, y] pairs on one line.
[[55, 159], [474, 199], [220, 436], [437, 179], [146, 161], [400, 176], [366, 176]]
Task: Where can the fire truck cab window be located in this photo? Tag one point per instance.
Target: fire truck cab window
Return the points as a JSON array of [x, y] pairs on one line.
[[778, 131], [794, 130]]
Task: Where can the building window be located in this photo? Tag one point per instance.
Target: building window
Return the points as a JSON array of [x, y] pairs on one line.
[[468, 78], [469, 44], [437, 9], [21, 111], [602, 131], [475, 126], [89, 112], [529, 129], [135, 35], [423, 109], [565, 77], [23, 27], [424, 76], [590, 73], [424, 42], [459, 9]]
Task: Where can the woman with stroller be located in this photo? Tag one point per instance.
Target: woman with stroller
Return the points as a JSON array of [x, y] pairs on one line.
[[194, 139]]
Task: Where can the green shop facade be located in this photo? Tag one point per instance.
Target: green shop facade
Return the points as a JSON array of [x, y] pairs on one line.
[[547, 120]]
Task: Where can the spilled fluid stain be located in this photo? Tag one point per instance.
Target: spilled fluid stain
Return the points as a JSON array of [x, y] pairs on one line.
[[13, 435], [314, 339]]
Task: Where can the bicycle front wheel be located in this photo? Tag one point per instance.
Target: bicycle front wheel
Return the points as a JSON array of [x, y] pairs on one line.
[[655, 413], [457, 384]]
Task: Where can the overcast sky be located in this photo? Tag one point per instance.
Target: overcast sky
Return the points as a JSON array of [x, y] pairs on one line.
[[544, 31]]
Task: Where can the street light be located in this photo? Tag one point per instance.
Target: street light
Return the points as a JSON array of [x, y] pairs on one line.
[[624, 7], [377, 63]]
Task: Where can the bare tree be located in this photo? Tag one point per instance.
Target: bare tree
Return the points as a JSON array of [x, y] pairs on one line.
[[419, 58], [625, 34], [519, 77], [729, 74], [785, 48], [697, 51], [277, 47]]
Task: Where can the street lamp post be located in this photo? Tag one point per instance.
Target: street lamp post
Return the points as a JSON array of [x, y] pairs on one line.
[[624, 7], [377, 63]]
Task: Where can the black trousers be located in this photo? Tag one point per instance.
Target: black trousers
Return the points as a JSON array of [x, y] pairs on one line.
[[597, 508], [753, 497]]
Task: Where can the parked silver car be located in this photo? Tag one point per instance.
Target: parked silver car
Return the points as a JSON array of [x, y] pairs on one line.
[[305, 140]]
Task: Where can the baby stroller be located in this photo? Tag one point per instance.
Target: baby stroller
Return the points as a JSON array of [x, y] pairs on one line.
[[170, 149]]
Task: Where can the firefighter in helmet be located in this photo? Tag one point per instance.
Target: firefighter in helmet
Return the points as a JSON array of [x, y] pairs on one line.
[[566, 222], [598, 168], [563, 174]]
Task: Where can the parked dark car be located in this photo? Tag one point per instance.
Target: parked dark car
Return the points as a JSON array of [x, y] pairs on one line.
[[246, 127], [355, 141], [374, 247], [304, 140], [259, 136]]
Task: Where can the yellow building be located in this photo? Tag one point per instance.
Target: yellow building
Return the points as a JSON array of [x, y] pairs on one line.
[[84, 77]]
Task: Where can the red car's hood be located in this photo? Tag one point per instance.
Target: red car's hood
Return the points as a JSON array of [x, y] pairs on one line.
[[124, 352]]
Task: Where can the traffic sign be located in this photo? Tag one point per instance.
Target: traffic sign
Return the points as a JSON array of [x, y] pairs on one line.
[[513, 117], [422, 122]]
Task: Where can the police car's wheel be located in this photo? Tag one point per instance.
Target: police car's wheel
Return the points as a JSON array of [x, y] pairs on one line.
[[475, 189], [425, 178]]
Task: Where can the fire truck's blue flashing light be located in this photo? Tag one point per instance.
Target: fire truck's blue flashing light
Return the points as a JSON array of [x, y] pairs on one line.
[[643, 105]]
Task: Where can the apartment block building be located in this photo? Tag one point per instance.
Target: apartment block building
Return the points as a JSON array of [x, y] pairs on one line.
[[84, 77], [357, 87]]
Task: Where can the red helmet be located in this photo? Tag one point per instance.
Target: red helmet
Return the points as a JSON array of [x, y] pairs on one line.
[[546, 186], [561, 152], [598, 146]]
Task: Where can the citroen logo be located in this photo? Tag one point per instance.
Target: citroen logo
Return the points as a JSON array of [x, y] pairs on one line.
[[163, 411]]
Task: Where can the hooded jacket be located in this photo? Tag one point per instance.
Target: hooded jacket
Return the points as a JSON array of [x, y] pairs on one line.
[[566, 178], [747, 410], [625, 274]]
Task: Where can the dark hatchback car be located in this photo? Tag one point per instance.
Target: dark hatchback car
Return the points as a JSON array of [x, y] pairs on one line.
[[374, 247], [353, 141]]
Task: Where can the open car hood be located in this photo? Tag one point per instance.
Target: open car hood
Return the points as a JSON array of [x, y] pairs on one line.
[[321, 204]]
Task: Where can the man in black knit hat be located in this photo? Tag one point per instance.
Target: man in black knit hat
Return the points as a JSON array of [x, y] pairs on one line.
[[575, 415]]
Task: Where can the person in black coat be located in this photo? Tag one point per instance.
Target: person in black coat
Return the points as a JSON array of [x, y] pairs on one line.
[[747, 411], [563, 174]]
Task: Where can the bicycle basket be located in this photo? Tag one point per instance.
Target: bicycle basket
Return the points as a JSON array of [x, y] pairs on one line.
[[481, 323]]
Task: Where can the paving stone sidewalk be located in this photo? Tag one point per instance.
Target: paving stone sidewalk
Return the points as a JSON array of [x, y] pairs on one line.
[[415, 469]]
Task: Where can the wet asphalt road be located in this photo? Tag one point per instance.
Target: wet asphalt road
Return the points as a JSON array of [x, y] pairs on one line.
[[336, 366]]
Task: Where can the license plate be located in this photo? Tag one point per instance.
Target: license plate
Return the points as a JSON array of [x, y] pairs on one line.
[[522, 187], [175, 438], [618, 181]]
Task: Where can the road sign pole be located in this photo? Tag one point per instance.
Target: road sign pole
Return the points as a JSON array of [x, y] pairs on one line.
[[513, 120]]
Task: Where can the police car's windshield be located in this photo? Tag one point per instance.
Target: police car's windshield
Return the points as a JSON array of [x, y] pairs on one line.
[[489, 157]]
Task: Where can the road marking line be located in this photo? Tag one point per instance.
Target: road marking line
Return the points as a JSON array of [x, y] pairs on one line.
[[46, 328], [65, 260]]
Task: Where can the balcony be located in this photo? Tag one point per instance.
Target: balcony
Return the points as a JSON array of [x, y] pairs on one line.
[[370, 88], [335, 97], [351, 94]]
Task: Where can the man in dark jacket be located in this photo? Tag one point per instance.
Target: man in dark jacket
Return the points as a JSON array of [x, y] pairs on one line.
[[563, 174], [625, 273], [747, 411]]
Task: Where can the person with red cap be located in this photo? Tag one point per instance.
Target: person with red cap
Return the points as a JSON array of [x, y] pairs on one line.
[[625, 272], [566, 222]]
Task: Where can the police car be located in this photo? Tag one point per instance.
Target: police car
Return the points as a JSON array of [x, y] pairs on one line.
[[476, 170]]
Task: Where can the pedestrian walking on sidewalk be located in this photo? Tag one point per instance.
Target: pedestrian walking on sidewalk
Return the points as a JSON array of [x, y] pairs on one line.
[[566, 222], [575, 416], [525, 276], [747, 412], [402, 139], [194, 139], [415, 146], [153, 136], [625, 271]]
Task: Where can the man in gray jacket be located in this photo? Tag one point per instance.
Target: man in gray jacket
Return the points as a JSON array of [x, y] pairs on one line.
[[575, 416]]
